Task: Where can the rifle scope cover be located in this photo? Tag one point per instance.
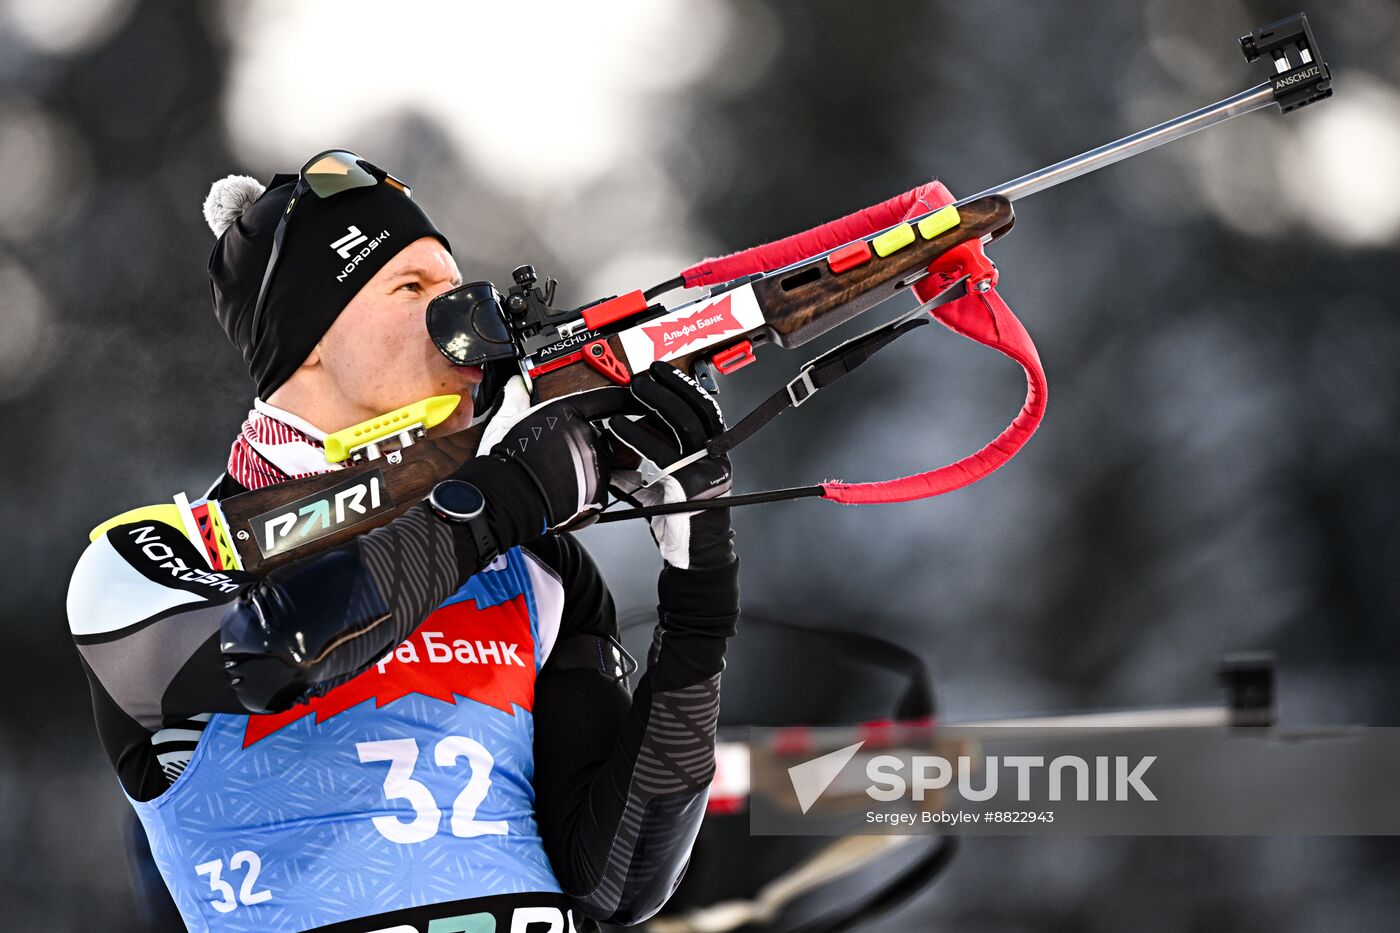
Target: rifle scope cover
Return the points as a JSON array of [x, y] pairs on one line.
[[468, 325]]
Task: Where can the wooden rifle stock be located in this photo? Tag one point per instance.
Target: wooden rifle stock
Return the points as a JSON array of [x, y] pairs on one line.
[[420, 467], [808, 300], [798, 304]]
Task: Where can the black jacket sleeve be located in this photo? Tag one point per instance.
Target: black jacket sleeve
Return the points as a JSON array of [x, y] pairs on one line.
[[622, 780], [166, 642]]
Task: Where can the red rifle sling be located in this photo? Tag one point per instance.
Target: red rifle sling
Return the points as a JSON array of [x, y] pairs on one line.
[[809, 243], [985, 318]]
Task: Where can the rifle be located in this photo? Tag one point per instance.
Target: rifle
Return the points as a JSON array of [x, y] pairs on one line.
[[783, 294]]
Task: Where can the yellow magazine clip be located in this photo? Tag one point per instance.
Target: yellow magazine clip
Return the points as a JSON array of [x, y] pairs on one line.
[[407, 424]]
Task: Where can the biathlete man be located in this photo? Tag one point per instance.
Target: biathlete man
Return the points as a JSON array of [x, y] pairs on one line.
[[428, 728]]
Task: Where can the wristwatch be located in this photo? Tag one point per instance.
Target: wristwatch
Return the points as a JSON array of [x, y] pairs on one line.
[[458, 502]]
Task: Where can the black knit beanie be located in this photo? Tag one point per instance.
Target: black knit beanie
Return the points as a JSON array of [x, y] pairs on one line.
[[331, 248]]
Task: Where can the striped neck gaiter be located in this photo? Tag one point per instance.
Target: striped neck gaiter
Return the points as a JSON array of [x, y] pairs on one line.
[[269, 449]]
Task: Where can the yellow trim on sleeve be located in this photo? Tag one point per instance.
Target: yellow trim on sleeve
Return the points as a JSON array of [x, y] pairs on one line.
[[166, 512]]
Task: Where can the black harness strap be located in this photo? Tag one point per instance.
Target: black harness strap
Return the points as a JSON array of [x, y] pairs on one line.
[[814, 375], [603, 654]]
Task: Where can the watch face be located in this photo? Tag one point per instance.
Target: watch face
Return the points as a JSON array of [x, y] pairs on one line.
[[458, 499]]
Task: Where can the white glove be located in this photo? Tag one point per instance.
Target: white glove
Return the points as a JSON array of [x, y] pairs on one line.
[[515, 404], [684, 417]]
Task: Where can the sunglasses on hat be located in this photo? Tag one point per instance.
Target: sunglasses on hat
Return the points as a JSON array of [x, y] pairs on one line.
[[325, 175]]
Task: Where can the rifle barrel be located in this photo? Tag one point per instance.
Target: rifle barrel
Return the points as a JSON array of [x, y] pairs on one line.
[[1244, 102]]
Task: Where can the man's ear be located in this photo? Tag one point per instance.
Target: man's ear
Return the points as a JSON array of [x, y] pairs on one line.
[[313, 359]]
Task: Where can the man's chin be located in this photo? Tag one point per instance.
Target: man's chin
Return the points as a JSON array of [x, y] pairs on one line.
[[458, 421]]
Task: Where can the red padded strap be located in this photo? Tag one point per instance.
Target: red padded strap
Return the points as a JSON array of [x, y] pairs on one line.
[[983, 317], [818, 240]]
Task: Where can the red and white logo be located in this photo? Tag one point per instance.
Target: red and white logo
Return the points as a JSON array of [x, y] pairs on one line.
[[687, 329], [690, 328], [486, 655], [714, 320]]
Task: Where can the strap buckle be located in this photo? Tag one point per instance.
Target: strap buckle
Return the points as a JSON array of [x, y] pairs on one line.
[[803, 379], [653, 473], [625, 664], [602, 653]]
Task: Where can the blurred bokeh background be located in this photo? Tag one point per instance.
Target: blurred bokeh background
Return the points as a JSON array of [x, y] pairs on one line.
[[1220, 322]]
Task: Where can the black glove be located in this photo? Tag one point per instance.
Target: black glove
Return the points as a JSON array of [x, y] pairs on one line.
[[680, 419], [553, 445]]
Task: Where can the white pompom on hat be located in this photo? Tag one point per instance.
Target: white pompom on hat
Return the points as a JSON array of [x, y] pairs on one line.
[[228, 198]]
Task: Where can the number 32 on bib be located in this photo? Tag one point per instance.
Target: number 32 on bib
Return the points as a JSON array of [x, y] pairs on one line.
[[399, 784]]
